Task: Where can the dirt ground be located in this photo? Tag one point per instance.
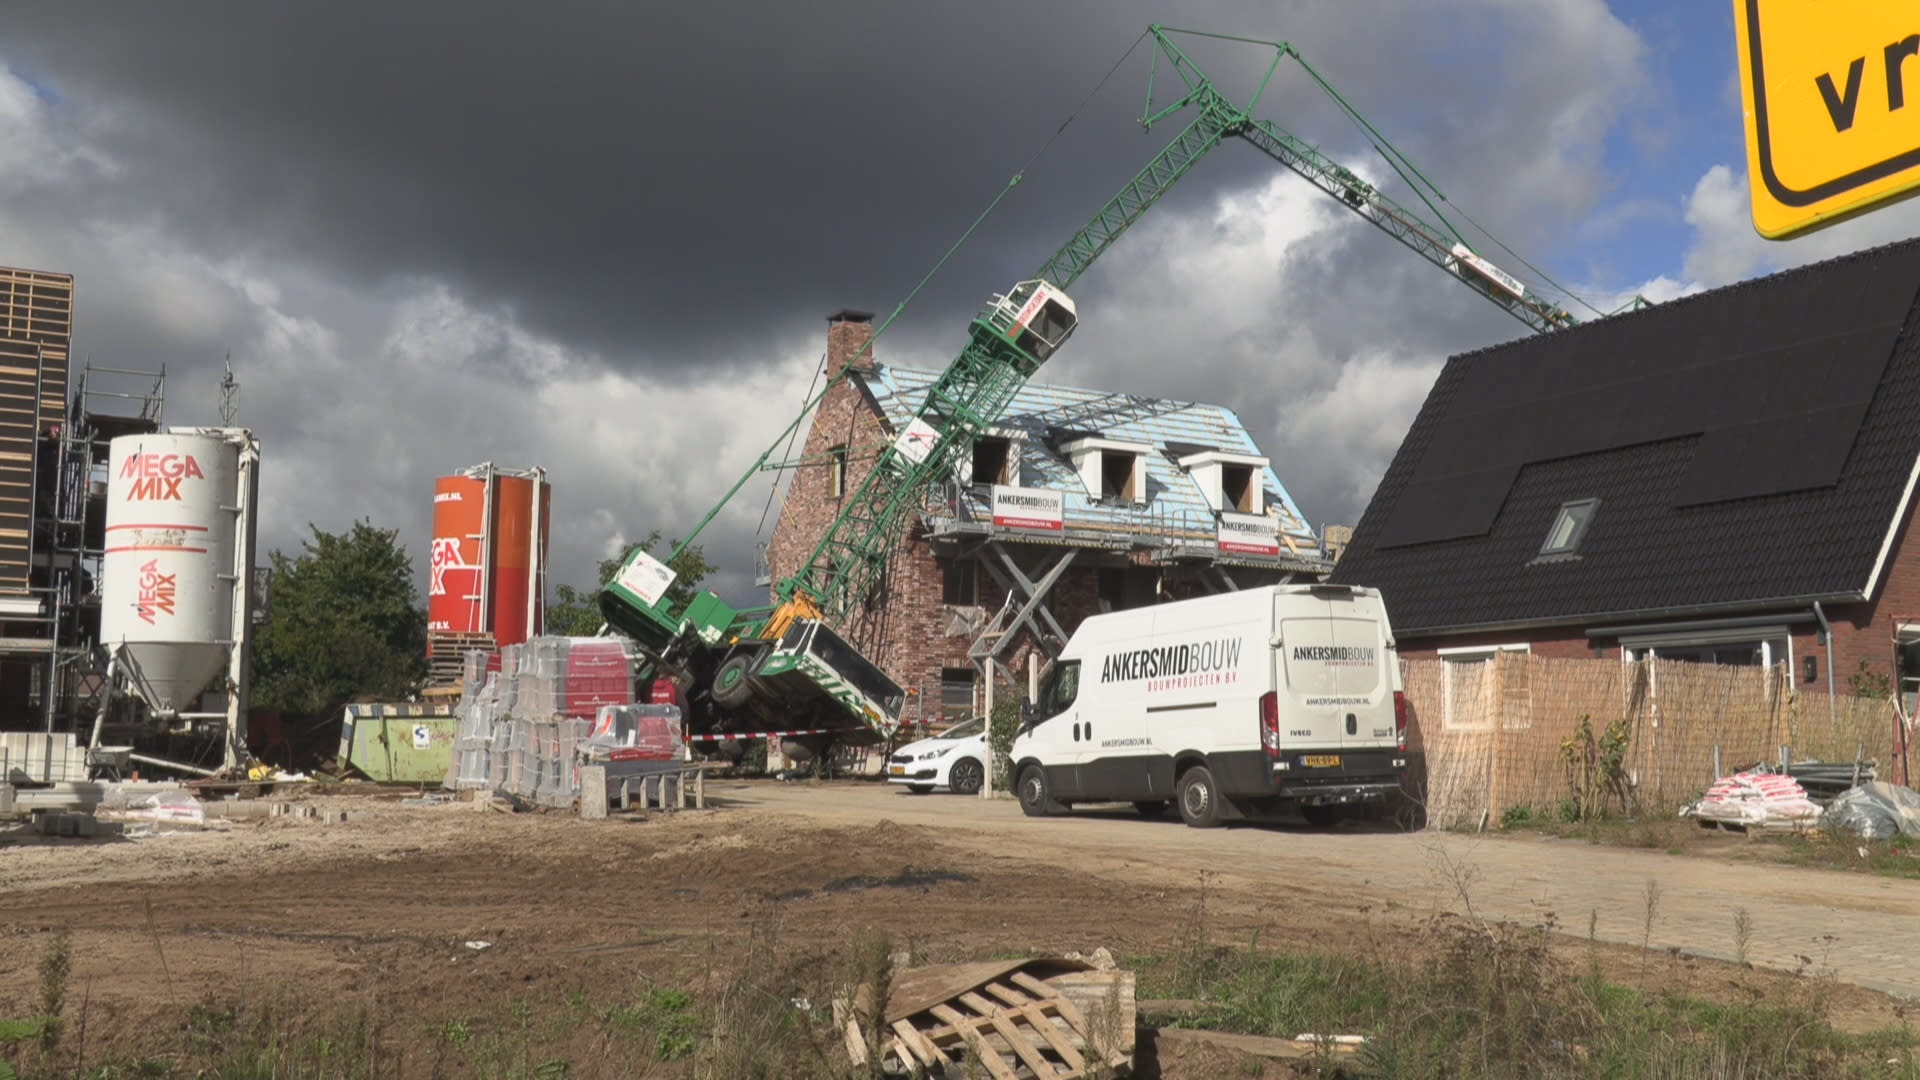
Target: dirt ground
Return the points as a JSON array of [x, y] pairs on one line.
[[382, 907]]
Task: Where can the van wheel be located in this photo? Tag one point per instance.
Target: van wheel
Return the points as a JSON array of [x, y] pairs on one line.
[[1199, 798], [1036, 795], [1152, 809], [1322, 817]]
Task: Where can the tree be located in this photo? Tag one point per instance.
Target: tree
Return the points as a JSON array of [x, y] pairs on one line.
[[342, 622], [577, 612]]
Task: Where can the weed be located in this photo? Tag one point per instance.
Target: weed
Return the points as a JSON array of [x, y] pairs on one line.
[[1516, 815], [1742, 935], [56, 964], [873, 974], [456, 1032], [1596, 768], [1650, 907]]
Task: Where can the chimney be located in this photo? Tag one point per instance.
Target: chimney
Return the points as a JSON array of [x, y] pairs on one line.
[[848, 332]]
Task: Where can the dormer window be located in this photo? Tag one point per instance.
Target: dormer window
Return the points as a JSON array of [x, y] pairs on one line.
[[1237, 488], [1111, 470], [1117, 469], [1232, 483], [993, 460]]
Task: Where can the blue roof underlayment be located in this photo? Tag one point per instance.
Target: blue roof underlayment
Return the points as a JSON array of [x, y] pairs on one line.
[[1172, 494]]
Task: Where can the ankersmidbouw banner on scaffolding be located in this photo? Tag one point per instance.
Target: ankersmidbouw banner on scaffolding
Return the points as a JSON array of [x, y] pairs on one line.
[[1251, 534], [1028, 508]]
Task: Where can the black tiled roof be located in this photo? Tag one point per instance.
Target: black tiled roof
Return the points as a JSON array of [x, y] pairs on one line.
[[1747, 445]]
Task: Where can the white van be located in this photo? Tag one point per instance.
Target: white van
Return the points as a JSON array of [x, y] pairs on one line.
[[1227, 706]]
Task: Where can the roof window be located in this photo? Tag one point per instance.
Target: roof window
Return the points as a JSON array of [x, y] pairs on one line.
[[1569, 528]]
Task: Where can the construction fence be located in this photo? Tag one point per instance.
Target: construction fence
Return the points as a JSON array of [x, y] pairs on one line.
[[1492, 729]]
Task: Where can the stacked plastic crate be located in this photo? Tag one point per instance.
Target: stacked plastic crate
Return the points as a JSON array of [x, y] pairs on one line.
[[527, 709]]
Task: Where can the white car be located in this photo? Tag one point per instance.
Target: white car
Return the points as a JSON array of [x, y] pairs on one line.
[[955, 759]]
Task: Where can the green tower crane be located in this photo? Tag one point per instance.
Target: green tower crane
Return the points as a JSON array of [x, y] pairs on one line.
[[783, 668]]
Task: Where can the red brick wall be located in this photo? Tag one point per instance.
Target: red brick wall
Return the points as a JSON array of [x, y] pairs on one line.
[[1864, 631]]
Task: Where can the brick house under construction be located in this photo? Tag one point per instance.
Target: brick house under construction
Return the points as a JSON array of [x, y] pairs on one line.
[[1080, 501]]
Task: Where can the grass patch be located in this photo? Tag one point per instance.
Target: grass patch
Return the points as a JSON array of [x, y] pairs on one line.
[[1467, 998], [1899, 858]]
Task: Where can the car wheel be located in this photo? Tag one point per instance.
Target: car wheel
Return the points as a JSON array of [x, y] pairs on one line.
[[920, 789], [1152, 809], [1322, 817], [730, 686], [966, 776], [1199, 798], [1036, 795]]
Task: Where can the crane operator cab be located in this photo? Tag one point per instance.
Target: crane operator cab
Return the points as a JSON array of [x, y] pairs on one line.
[[1036, 317]]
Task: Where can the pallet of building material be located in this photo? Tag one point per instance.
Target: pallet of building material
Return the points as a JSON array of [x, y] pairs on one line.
[[447, 656], [1045, 1019]]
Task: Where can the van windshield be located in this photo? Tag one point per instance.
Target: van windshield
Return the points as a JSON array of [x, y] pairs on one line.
[[1062, 688]]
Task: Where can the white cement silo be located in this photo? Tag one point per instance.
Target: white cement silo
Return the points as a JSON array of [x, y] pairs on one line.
[[168, 593]]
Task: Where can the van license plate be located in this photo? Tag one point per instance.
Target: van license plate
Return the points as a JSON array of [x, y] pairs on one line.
[[896, 770], [1320, 761]]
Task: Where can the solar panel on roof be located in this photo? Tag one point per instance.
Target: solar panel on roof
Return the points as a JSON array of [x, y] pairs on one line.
[[1775, 376]]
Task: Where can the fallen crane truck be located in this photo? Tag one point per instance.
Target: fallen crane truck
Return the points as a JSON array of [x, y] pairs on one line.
[[742, 675], [746, 674]]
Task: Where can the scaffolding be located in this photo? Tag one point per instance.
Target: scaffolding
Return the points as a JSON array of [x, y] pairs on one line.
[[57, 639]]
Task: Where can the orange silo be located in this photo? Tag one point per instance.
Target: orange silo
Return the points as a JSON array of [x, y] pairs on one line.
[[488, 558]]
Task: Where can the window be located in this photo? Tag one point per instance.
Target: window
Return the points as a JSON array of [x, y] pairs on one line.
[[837, 472], [956, 690], [1063, 686], [1236, 488], [991, 460], [1569, 528], [1753, 647], [1117, 474], [959, 582], [1476, 691]]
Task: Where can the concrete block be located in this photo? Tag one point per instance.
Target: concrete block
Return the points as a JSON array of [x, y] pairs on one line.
[[593, 792], [69, 824], [333, 817], [91, 826]]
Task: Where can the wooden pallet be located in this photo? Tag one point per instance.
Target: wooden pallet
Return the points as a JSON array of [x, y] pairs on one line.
[[447, 655], [1015, 1026]]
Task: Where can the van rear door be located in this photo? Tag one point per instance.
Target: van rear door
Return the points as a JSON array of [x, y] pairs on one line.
[[1308, 686], [1333, 659]]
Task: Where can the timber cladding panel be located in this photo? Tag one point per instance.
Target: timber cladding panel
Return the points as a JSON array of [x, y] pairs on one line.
[[36, 327]]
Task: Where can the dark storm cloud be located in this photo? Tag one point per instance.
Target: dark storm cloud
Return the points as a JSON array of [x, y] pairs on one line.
[[670, 186], [601, 238]]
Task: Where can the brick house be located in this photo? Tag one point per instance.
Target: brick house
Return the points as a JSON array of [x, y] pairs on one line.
[[1724, 478], [1106, 501]]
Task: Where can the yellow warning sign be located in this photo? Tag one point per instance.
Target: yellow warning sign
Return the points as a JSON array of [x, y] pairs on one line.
[[1832, 95]]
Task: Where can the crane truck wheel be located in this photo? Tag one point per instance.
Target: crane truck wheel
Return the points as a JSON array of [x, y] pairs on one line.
[[730, 686]]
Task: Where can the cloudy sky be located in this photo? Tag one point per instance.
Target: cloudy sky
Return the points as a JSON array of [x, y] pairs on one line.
[[603, 237]]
